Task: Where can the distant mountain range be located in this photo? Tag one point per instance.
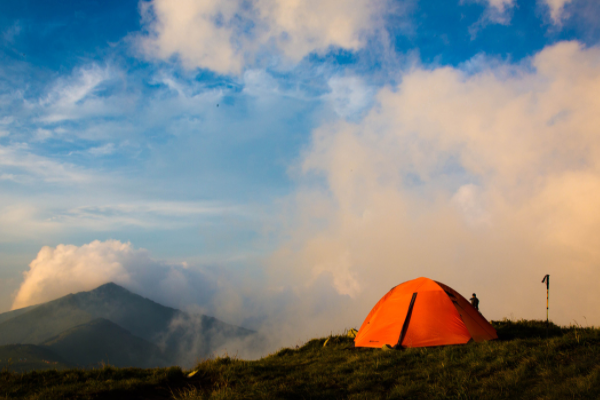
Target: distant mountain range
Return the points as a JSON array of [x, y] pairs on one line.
[[114, 326]]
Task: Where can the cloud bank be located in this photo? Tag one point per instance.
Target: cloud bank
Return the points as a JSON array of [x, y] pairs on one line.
[[484, 181]]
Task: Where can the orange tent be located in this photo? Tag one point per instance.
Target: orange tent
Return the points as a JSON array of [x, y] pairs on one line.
[[421, 313]]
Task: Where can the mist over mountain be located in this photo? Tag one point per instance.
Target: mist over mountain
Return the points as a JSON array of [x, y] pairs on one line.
[[112, 325], [193, 337]]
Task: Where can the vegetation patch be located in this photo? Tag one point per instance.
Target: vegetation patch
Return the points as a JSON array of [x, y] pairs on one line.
[[529, 361]]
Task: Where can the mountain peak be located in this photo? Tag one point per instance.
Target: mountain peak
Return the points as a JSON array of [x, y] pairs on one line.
[[110, 286], [111, 313], [112, 292]]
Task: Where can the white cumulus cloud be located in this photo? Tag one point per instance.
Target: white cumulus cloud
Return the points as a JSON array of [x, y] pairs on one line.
[[69, 269], [224, 35], [58, 271]]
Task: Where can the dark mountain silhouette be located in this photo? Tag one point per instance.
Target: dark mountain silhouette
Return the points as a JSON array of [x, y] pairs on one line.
[[181, 337], [103, 341]]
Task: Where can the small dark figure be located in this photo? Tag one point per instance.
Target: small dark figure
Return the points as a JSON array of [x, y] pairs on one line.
[[474, 302]]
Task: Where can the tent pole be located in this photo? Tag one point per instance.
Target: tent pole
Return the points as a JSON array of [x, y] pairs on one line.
[[406, 321]]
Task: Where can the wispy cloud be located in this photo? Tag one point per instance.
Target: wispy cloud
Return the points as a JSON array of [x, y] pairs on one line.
[[104, 150], [164, 215], [40, 216], [500, 6], [7, 177], [21, 221], [496, 12], [557, 9], [5, 122], [9, 35], [77, 96], [26, 166], [350, 96]]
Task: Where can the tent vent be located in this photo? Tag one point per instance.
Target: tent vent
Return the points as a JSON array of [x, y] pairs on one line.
[[450, 294]]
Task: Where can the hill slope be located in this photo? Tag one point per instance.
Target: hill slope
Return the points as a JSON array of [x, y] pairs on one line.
[[14, 313], [103, 341], [28, 357], [523, 364]]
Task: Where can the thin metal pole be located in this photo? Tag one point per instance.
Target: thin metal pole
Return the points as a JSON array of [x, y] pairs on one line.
[[547, 281]]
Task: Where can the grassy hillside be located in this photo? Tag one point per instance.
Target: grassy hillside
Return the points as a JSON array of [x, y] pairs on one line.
[[523, 364], [103, 341], [27, 357]]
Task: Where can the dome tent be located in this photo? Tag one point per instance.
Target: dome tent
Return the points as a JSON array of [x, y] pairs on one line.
[[422, 313]]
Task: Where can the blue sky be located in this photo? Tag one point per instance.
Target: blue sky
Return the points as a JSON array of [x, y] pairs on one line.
[[208, 134]]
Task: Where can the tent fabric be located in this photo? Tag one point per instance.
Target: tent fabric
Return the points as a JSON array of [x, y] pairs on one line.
[[439, 316]]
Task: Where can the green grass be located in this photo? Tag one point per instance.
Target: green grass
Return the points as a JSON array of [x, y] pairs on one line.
[[103, 383], [523, 364]]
